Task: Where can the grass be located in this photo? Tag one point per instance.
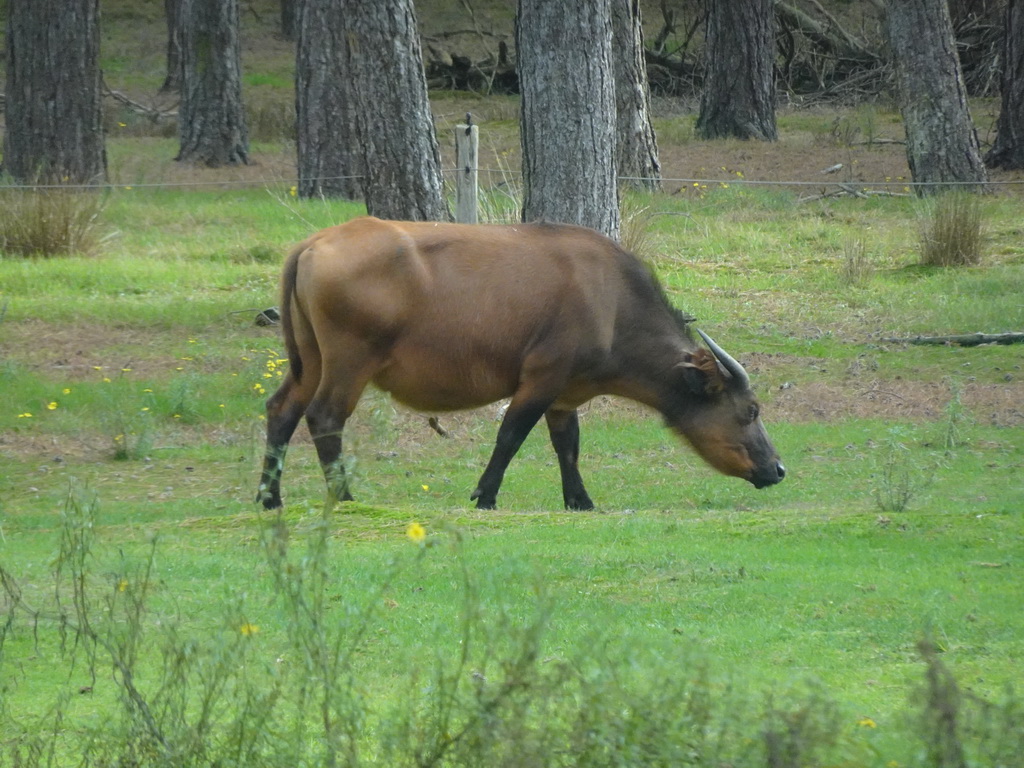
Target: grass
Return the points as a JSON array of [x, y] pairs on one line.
[[952, 235], [720, 599], [763, 605], [49, 222]]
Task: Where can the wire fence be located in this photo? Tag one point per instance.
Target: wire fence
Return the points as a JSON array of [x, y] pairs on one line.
[[505, 172]]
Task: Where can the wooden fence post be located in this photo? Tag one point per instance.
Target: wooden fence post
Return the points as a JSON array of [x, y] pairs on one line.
[[467, 151]]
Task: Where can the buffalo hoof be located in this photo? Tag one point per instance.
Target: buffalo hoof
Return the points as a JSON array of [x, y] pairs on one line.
[[579, 505], [269, 500], [483, 501]]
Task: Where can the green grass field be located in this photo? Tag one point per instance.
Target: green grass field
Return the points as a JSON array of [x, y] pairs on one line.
[[133, 384]]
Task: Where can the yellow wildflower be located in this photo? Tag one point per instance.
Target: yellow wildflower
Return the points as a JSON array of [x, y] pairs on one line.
[[416, 532], [248, 629]]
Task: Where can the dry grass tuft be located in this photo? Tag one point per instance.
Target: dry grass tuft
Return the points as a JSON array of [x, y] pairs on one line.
[[951, 235], [49, 222], [855, 268], [635, 228]]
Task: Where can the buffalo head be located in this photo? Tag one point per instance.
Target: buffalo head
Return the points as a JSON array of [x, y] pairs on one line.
[[721, 418]]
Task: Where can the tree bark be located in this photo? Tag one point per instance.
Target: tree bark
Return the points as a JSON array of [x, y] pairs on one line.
[[211, 120], [387, 92], [568, 113], [54, 128], [942, 145], [172, 81], [738, 99], [290, 11], [637, 145], [328, 144], [1008, 150]]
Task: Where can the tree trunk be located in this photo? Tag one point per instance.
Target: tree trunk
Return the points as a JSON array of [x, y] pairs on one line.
[[1008, 150], [172, 81], [637, 145], [942, 145], [387, 91], [290, 18], [568, 113], [54, 128], [211, 121], [329, 157], [738, 99]]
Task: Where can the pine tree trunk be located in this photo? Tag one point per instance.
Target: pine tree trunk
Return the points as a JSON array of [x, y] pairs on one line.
[[738, 99], [942, 145], [568, 113], [329, 155], [172, 80], [387, 92], [290, 11], [1008, 150], [211, 121], [54, 128], [638, 164]]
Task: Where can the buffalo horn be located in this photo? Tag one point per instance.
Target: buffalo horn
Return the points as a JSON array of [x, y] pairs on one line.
[[728, 361]]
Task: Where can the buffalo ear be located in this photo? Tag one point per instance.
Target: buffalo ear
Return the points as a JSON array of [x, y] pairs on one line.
[[701, 373]]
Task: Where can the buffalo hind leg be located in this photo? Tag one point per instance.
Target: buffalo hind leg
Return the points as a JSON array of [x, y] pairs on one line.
[[564, 428], [519, 419], [285, 409], [343, 382], [326, 425]]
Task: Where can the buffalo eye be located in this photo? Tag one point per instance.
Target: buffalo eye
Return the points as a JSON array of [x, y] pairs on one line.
[[753, 411]]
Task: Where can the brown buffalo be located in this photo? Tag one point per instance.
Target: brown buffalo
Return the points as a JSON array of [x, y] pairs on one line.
[[449, 316]]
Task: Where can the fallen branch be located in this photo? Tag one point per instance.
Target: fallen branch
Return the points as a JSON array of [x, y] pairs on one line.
[[964, 340], [829, 37], [152, 113], [869, 142], [848, 189]]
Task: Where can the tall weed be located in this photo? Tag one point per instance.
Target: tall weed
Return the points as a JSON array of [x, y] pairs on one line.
[[898, 477], [231, 696]]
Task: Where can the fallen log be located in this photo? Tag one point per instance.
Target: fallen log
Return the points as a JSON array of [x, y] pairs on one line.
[[964, 340]]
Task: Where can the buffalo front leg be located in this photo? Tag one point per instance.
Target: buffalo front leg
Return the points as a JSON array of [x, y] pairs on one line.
[[284, 411], [519, 419], [564, 428]]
